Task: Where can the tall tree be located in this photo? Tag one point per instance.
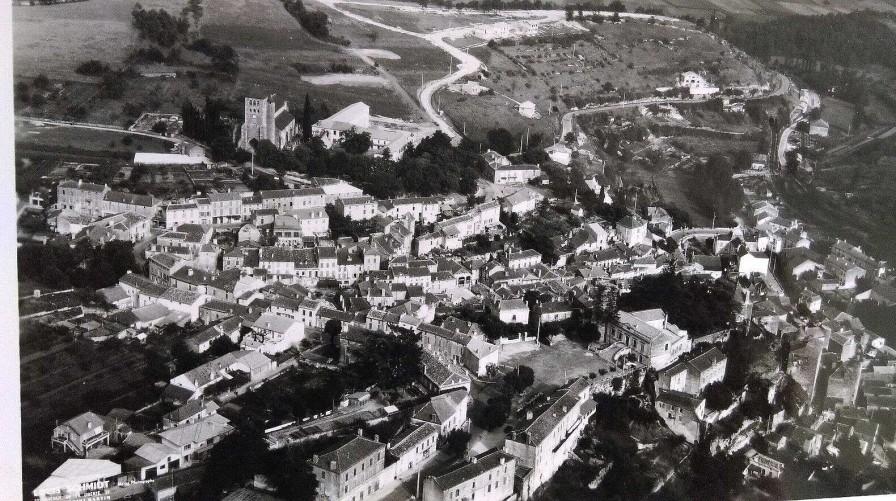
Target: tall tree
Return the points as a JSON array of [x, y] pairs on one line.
[[307, 118]]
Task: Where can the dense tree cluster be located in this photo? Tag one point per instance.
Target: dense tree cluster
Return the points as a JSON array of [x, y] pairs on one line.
[[850, 40], [224, 57], [386, 361], [298, 393], [696, 305], [315, 22], [456, 442], [356, 143], [520, 378], [714, 189], [494, 413], [61, 266], [432, 167], [540, 229], [92, 68], [608, 442], [342, 226], [878, 318], [824, 51], [208, 126], [158, 26], [493, 327]]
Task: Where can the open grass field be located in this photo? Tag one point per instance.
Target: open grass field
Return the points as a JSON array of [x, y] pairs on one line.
[[755, 8], [270, 41], [52, 136], [54, 39], [626, 60], [409, 56], [554, 364], [838, 113], [419, 22]]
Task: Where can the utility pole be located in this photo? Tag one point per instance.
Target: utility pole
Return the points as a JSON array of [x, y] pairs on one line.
[[537, 336]]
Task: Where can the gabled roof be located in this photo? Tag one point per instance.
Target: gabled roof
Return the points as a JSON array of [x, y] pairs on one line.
[[77, 471], [441, 407], [130, 198], [463, 472], [190, 409], [198, 432], [548, 416], [440, 374], [155, 453], [83, 423], [409, 438], [348, 454]]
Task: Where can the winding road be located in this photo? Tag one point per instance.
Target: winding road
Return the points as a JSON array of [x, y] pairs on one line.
[[567, 123], [468, 64]]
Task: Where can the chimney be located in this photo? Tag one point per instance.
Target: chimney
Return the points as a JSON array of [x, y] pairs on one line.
[[528, 415], [333, 465], [360, 432], [502, 459], [432, 416], [376, 438], [474, 460], [268, 326], [36, 293], [80, 181], [90, 424], [315, 459], [190, 272], [565, 409]]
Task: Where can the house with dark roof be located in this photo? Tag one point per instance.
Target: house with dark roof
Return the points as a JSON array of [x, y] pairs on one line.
[[486, 477], [442, 342], [439, 377], [681, 412], [554, 311], [117, 202], [631, 230], [350, 470]]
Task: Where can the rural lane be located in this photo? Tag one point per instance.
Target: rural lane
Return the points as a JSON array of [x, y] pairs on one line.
[[468, 64], [567, 123]]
